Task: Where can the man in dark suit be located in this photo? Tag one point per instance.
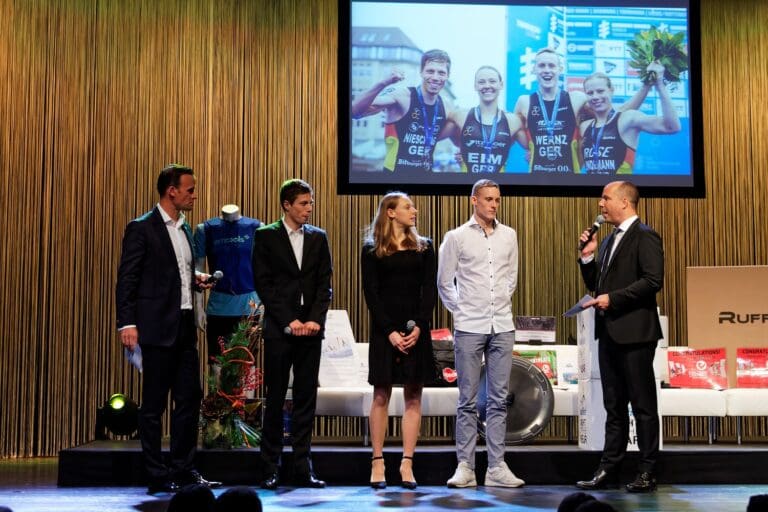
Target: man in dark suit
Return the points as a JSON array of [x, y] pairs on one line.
[[626, 277], [292, 275], [155, 283]]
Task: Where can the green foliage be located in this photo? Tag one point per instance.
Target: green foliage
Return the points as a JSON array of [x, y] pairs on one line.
[[228, 419], [230, 361], [654, 45]]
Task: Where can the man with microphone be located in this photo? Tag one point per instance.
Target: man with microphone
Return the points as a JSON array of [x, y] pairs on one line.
[[625, 277], [292, 275], [155, 302]]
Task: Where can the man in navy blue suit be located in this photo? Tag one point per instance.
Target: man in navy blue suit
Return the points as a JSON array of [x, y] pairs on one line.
[[155, 304], [625, 278], [292, 275]]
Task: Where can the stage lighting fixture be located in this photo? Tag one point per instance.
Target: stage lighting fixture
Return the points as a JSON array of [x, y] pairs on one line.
[[119, 415]]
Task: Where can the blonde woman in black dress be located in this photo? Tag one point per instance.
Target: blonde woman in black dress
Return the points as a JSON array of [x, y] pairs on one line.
[[398, 270]]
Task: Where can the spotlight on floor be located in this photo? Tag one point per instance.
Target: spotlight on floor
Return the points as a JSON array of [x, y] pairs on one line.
[[119, 415]]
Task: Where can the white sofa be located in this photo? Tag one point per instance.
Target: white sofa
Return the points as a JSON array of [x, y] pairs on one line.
[[356, 399], [709, 403], [745, 402]]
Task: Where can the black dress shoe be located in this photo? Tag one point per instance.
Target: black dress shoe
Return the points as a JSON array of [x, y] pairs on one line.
[[271, 482], [601, 480], [310, 480], [162, 486], [195, 478], [644, 482]]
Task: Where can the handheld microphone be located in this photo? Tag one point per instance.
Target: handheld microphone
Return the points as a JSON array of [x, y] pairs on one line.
[[598, 222], [288, 330], [215, 277], [409, 325]]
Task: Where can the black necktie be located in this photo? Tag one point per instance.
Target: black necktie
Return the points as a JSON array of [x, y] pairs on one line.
[[606, 257]]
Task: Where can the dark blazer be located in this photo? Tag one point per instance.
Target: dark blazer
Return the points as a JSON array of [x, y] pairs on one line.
[[632, 279], [148, 281], [280, 283]]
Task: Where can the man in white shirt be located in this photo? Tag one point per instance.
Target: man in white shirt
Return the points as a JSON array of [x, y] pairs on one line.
[[477, 275]]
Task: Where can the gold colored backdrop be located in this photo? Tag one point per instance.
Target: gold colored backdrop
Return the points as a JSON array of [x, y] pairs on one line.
[[97, 96]]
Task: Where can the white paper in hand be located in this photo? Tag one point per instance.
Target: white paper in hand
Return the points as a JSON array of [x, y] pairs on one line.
[[134, 357], [579, 306]]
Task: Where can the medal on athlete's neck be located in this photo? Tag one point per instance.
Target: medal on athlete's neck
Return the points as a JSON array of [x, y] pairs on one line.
[[488, 138], [550, 121]]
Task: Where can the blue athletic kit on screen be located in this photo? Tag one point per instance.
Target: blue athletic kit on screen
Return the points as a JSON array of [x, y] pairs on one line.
[[552, 133], [411, 140], [484, 148]]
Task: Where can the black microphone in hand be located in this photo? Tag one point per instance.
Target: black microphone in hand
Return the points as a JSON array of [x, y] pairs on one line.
[[598, 222], [288, 330], [213, 279], [409, 325]]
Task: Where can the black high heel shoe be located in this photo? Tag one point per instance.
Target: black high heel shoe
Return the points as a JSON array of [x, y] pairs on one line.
[[407, 484], [378, 484]]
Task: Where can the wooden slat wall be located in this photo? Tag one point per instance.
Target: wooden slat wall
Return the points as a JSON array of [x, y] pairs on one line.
[[97, 96]]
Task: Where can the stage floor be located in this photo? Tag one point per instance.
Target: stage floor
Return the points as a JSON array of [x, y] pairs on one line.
[[30, 485], [118, 463]]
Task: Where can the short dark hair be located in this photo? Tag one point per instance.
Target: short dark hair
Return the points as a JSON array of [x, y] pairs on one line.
[[757, 503], [291, 189], [630, 191], [238, 499], [483, 183], [595, 506], [170, 176], [571, 502], [192, 498], [436, 56]]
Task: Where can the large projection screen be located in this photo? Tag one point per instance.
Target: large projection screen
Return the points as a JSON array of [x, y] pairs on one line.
[[505, 96]]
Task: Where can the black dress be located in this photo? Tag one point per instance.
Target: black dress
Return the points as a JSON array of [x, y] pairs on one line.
[[398, 288]]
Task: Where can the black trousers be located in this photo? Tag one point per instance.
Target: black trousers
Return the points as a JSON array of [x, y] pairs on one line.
[[626, 372], [175, 369], [216, 327], [280, 354]]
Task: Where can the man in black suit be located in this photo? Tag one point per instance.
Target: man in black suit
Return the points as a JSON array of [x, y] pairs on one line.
[[292, 275], [155, 297], [626, 277]]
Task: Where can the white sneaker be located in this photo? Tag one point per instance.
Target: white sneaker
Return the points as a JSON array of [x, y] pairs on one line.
[[501, 476], [463, 477]]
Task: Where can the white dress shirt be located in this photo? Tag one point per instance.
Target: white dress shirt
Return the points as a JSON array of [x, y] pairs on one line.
[[183, 255], [296, 237], [477, 275], [297, 241], [622, 230]]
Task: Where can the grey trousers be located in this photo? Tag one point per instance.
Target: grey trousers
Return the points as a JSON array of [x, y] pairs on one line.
[[470, 348]]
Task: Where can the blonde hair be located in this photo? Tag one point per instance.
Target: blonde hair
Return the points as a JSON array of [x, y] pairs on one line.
[[380, 233], [597, 76]]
